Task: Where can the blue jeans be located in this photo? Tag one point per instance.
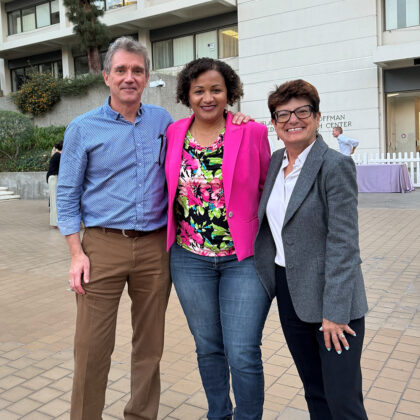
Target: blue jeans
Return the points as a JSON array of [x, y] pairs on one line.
[[226, 307]]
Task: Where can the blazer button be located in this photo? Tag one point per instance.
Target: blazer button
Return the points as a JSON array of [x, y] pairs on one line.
[[290, 266], [289, 242], [230, 214]]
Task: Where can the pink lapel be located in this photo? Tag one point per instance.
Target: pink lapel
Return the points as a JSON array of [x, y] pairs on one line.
[[232, 142], [175, 154]]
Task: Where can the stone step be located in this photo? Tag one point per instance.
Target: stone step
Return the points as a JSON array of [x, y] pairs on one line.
[[9, 197], [3, 188], [6, 192]]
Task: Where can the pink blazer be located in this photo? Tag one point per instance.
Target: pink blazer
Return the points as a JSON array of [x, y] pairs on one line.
[[246, 158]]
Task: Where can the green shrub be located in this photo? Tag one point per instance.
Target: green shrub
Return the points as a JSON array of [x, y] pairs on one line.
[[44, 138], [79, 85], [28, 161], [38, 94], [15, 133]]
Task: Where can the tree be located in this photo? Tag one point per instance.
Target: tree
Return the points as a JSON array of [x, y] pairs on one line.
[[92, 33], [15, 130]]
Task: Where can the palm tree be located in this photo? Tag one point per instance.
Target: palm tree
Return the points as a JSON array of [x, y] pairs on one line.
[[92, 33]]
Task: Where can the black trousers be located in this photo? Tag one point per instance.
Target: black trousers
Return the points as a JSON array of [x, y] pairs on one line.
[[332, 382]]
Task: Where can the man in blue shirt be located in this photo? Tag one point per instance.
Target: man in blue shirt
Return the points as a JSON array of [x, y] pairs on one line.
[[112, 178], [346, 144]]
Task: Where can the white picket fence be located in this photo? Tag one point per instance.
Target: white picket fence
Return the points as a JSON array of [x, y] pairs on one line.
[[412, 160]]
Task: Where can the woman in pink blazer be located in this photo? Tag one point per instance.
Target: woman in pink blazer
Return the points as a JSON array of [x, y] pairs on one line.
[[215, 173]]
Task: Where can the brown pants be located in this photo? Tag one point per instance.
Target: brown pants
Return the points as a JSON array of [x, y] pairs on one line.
[[143, 264]]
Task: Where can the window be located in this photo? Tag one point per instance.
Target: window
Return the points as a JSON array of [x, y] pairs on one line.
[[401, 14], [15, 26], [43, 16], [19, 75], [206, 45], [228, 42], [183, 50], [55, 12], [112, 4], [218, 43], [403, 122], [163, 52], [30, 18]]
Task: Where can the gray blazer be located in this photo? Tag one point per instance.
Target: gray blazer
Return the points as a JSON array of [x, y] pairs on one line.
[[320, 237]]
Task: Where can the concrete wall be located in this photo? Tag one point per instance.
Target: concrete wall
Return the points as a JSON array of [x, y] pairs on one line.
[[29, 185], [70, 107], [330, 44]]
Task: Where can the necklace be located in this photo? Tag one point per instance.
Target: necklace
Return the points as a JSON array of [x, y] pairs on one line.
[[206, 137]]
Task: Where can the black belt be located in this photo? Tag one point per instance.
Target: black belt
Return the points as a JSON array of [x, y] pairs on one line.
[[128, 233]]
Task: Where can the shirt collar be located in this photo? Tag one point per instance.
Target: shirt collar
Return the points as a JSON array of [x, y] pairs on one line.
[[300, 159], [116, 115]]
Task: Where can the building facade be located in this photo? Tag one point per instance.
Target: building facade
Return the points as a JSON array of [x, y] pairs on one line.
[[362, 55]]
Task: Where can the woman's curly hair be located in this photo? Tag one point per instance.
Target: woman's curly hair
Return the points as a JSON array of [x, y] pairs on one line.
[[196, 67]]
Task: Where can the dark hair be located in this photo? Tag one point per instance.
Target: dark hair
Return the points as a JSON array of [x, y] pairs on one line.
[[338, 128], [59, 145], [293, 89], [196, 67]]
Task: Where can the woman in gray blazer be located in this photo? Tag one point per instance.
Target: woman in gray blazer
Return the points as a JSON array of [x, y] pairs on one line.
[[307, 255]]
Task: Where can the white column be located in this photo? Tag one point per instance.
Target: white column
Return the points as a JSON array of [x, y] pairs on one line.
[[144, 38], [5, 80], [64, 22], [3, 23], [68, 62]]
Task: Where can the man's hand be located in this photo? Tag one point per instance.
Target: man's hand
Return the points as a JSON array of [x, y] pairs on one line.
[[335, 332], [80, 264], [352, 150], [240, 118]]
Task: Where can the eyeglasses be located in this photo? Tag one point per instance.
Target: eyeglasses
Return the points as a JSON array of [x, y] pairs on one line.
[[301, 113]]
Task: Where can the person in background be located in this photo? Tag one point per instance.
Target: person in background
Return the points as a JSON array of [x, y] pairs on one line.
[[307, 255], [52, 178], [346, 144], [215, 174]]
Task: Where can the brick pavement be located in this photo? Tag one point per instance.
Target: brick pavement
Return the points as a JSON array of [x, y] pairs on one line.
[[37, 317]]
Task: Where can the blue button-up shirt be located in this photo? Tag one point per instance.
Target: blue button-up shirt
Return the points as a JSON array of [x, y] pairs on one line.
[[112, 171], [346, 144]]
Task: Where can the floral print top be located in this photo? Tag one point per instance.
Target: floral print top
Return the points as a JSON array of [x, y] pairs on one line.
[[200, 202]]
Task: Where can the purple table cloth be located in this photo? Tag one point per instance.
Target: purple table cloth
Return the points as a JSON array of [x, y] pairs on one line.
[[383, 178]]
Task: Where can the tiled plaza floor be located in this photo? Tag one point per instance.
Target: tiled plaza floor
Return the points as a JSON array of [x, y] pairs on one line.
[[37, 317]]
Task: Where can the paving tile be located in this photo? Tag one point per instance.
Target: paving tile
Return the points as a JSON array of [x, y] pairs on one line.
[[29, 372], [293, 413], [409, 407], [46, 394], [412, 395], [15, 394], [36, 415], [7, 415], [390, 384], [56, 373], [384, 395], [189, 412], [24, 406], [379, 407], [55, 407], [10, 381], [400, 416], [172, 399]]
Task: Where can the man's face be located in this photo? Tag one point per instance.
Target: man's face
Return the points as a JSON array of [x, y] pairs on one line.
[[335, 132], [126, 79]]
